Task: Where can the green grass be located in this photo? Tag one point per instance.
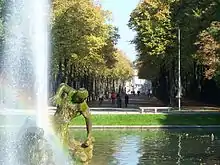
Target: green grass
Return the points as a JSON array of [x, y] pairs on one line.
[[152, 119]]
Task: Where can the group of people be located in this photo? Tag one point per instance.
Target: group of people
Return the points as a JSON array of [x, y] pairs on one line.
[[116, 99], [133, 92], [149, 93]]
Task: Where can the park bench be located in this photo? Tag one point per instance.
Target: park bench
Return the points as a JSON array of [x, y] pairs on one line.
[[143, 109]]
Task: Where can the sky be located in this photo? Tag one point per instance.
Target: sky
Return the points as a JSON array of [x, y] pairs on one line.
[[121, 10]]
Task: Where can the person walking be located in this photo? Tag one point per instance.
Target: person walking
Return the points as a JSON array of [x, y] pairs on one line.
[[126, 100], [101, 99], [133, 92], [118, 100], [151, 93], [148, 93], [113, 97], [109, 96]]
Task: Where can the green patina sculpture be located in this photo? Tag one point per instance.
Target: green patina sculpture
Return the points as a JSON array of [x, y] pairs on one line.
[[70, 104]]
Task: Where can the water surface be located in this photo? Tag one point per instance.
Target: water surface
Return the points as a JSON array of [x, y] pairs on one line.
[[159, 147]]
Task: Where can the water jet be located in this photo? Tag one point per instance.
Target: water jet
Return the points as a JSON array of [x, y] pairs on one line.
[[24, 86]]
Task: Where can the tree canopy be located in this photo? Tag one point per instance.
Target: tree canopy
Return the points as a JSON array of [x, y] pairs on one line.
[[156, 23], [84, 45]]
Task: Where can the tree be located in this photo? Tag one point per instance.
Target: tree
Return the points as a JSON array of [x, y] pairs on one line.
[[208, 52], [84, 46], [156, 23], [155, 39]]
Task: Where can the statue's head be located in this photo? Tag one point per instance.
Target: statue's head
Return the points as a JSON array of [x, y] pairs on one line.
[[67, 94], [80, 96]]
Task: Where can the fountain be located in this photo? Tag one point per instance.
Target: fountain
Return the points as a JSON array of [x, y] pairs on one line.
[[24, 85]]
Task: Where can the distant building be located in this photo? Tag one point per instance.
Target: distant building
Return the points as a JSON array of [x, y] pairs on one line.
[[137, 84]]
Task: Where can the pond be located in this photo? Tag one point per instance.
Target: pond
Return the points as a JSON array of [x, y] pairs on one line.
[[159, 147]]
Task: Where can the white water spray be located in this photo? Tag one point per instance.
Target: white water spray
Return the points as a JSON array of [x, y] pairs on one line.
[[40, 52], [26, 56], [25, 70]]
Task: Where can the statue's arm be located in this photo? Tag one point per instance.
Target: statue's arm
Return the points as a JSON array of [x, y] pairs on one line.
[[63, 89], [87, 116]]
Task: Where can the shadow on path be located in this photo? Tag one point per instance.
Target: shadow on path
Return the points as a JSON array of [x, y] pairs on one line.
[[134, 102], [196, 105], [144, 101]]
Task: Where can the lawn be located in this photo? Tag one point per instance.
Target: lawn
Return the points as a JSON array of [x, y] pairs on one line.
[[136, 119], [152, 119]]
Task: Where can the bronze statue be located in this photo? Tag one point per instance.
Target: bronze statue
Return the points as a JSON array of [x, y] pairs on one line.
[[71, 103]]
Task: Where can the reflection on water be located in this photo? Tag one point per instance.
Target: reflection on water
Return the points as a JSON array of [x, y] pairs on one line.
[[159, 147], [124, 153]]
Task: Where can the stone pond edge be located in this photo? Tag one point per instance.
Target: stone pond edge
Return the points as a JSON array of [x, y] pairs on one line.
[[133, 126], [145, 126]]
